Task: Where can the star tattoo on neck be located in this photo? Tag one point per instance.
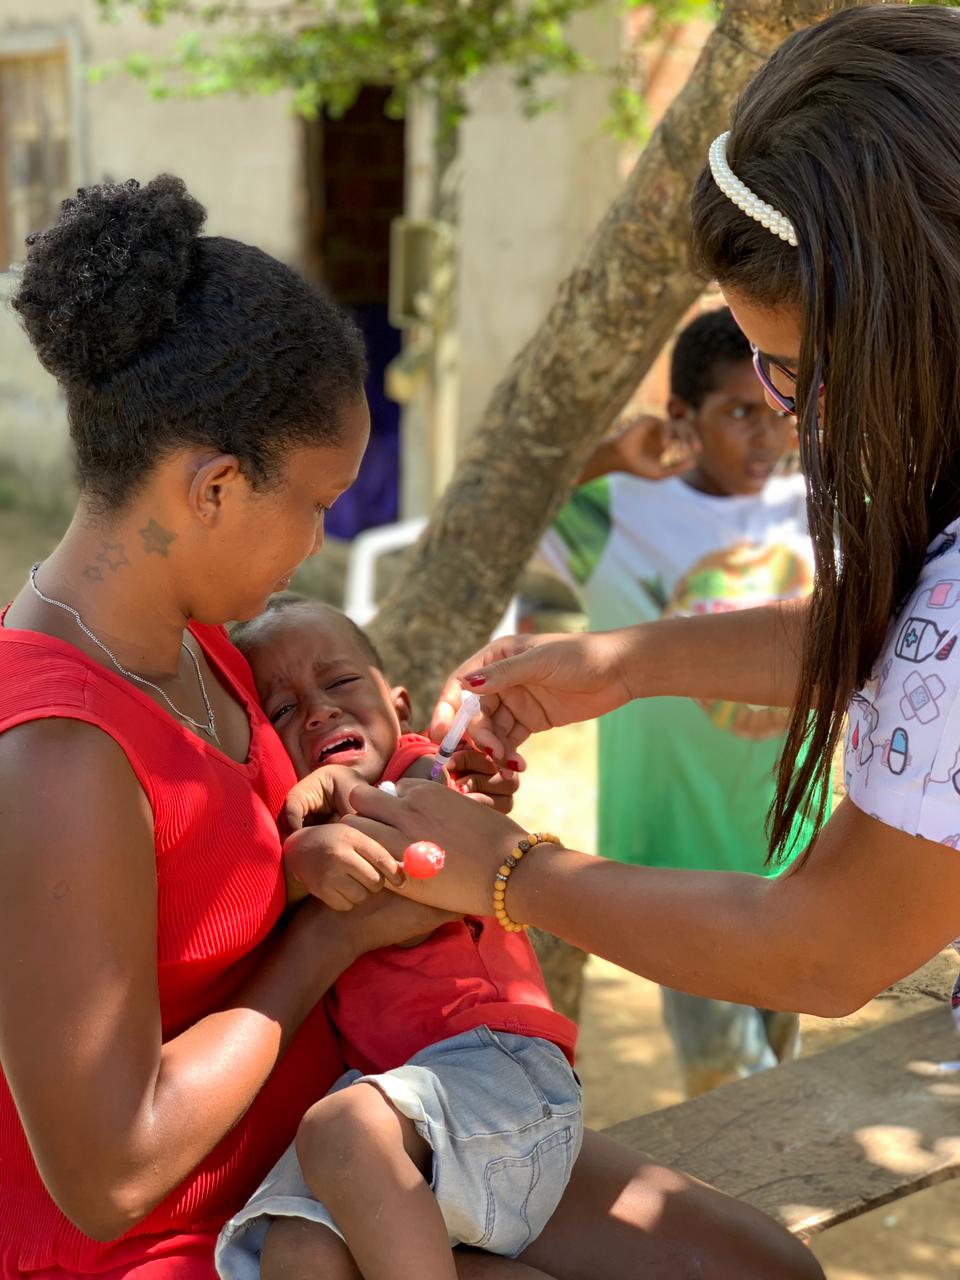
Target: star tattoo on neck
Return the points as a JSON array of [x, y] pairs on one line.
[[113, 555], [156, 538]]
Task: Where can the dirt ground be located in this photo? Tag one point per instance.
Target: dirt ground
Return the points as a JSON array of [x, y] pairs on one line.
[[625, 1056]]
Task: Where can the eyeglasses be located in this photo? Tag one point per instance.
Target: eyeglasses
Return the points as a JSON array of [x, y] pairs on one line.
[[763, 364]]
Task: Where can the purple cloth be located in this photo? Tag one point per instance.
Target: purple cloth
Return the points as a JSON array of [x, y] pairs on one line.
[[375, 498]]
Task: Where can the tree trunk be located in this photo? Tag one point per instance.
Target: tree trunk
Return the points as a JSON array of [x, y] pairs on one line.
[[609, 321], [607, 324]]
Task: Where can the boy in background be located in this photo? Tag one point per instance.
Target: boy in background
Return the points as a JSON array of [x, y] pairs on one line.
[[683, 783]]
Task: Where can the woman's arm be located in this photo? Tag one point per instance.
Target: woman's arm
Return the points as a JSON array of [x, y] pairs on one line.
[[532, 683], [867, 906], [115, 1117], [749, 655]]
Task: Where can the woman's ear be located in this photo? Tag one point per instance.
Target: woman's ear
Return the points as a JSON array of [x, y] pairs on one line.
[[401, 705], [213, 482]]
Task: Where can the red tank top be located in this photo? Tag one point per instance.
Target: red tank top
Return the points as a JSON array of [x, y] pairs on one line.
[[394, 1002], [219, 893]]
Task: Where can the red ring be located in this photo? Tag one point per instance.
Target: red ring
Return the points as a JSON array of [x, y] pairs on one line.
[[423, 859]]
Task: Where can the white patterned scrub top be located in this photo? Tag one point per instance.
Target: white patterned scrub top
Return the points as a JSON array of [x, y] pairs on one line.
[[902, 754]]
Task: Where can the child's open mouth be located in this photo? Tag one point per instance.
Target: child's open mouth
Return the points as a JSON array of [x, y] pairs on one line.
[[344, 748]]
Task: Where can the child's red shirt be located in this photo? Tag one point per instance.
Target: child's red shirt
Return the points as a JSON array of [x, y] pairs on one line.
[[394, 1002]]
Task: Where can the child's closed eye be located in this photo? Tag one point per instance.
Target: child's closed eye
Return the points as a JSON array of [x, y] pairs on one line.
[[343, 680], [276, 714]]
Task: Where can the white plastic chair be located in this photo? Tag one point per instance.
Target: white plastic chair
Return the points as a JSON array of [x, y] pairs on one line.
[[360, 589]]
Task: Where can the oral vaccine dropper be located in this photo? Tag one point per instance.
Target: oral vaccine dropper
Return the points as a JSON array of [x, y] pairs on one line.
[[469, 710]]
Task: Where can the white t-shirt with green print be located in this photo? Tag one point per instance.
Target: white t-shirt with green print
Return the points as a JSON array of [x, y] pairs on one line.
[[683, 784]]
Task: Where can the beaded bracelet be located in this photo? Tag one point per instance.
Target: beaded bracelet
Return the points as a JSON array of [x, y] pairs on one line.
[[505, 872]]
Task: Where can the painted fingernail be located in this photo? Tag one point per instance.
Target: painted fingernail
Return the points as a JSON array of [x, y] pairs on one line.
[[514, 765], [475, 679]]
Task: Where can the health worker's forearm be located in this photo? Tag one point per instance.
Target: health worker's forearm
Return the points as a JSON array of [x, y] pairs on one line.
[[750, 655]]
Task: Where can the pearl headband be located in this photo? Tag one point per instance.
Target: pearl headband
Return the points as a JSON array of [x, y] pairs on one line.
[[744, 198]]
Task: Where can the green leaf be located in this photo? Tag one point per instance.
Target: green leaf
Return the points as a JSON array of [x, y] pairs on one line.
[[628, 119], [324, 51]]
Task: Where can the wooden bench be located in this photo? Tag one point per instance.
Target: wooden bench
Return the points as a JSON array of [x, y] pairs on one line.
[[828, 1137]]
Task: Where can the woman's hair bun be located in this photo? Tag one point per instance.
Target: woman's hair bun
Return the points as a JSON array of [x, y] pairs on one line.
[[106, 281]]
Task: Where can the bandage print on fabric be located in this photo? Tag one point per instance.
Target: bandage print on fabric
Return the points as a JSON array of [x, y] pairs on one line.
[[905, 721]]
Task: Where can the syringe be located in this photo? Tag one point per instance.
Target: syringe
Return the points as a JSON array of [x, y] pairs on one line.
[[469, 710]]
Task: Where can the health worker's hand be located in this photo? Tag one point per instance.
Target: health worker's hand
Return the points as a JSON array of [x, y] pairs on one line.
[[475, 838], [531, 683], [483, 780]]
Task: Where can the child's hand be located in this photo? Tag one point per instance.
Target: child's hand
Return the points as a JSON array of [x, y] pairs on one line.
[[337, 864], [325, 791], [653, 449], [478, 776]]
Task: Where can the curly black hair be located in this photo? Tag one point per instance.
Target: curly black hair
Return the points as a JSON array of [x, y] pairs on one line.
[[709, 344], [163, 339], [245, 634]]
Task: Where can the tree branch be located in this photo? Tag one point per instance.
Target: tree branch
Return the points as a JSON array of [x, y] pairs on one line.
[[611, 317]]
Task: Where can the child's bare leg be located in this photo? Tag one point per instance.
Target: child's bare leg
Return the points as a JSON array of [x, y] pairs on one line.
[[367, 1164], [299, 1250], [295, 1249]]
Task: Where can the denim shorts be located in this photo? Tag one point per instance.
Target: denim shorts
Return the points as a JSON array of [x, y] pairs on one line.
[[503, 1116]]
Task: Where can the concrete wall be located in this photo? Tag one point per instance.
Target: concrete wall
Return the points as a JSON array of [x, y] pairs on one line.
[[240, 158], [532, 191], [33, 432]]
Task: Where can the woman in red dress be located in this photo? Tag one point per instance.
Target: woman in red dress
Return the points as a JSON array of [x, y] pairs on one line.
[[161, 1024]]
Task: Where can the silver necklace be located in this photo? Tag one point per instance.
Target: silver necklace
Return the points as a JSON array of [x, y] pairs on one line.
[[210, 728]]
